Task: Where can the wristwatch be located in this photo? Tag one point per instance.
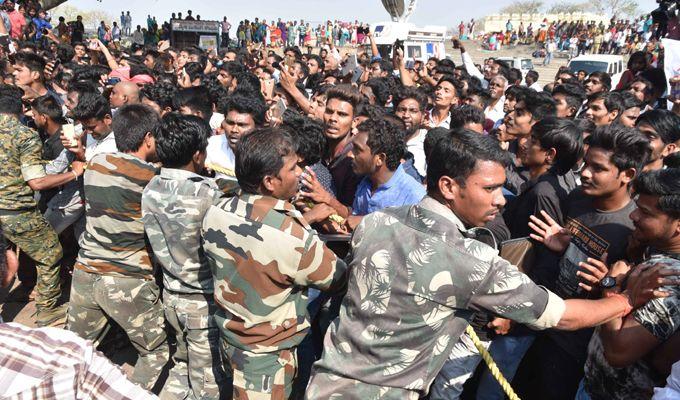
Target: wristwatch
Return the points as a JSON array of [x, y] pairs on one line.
[[607, 282]]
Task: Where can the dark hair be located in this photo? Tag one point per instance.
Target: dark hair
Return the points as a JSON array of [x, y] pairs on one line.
[[247, 82], [519, 93], [432, 137], [33, 62], [539, 104], [318, 59], [380, 89], [48, 105], [629, 149], [65, 53], [310, 142], [533, 75], [457, 86], [664, 122], [562, 135], [466, 114], [194, 70], [294, 49], [604, 78], [514, 76], [649, 87], [81, 87], [629, 100], [574, 95], [611, 100], [639, 55], [179, 137], [131, 124], [304, 68], [345, 93], [10, 100], [483, 95], [161, 93], [260, 153], [196, 98], [457, 155], [91, 105], [384, 137], [409, 92], [385, 65], [244, 105], [233, 68], [664, 184]]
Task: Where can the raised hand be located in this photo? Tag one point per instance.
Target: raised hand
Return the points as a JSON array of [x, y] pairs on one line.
[[550, 233]]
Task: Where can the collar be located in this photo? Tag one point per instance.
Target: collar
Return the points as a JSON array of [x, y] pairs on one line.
[[178, 174], [267, 201], [436, 207], [394, 180]]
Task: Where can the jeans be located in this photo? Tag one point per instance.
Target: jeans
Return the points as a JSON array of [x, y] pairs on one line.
[[581, 393], [462, 362], [548, 58], [508, 352]]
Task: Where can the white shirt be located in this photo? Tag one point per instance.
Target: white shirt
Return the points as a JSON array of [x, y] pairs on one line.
[[446, 123], [105, 145], [416, 146], [220, 157], [536, 87], [496, 112], [216, 121]]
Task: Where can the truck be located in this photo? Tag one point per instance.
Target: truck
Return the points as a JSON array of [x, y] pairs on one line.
[[419, 43]]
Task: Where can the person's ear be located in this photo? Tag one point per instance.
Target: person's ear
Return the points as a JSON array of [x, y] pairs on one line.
[[380, 159], [613, 115], [448, 187], [628, 175], [550, 155], [269, 184]]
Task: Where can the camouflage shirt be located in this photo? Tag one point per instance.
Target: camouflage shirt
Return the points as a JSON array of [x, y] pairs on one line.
[[416, 280], [114, 241], [173, 206], [20, 161], [263, 256]]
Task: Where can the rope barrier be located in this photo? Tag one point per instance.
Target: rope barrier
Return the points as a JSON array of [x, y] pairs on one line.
[[491, 364]]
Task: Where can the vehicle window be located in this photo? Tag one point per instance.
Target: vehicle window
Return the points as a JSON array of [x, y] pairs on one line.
[[527, 64], [413, 52], [588, 66]]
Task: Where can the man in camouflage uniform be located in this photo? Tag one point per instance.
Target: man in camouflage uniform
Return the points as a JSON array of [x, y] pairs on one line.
[[21, 172], [173, 206], [113, 276], [264, 256], [417, 278]]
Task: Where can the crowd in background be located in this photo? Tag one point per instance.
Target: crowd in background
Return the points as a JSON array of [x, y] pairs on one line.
[[270, 225]]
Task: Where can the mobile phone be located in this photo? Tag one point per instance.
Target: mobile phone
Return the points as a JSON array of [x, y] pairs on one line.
[[398, 44], [112, 81], [267, 87], [279, 108], [69, 131]]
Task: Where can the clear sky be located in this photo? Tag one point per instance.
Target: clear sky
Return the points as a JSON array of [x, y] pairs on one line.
[[432, 12]]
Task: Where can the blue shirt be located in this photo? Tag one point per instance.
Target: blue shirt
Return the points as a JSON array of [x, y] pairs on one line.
[[400, 190]]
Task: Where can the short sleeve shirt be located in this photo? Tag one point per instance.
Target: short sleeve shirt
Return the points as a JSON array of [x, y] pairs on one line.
[[20, 161]]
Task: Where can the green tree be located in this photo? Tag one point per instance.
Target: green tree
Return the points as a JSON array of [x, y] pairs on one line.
[[567, 7], [523, 7], [617, 8]]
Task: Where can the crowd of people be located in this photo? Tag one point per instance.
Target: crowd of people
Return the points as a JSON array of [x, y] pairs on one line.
[[574, 38], [280, 226]]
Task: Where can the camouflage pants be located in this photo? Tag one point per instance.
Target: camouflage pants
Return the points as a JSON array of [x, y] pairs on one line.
[[324, 385], [198, 372], [36, 239], [261, 376], [134, 304]]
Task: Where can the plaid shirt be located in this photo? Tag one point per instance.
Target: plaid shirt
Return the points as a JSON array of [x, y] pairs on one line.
[[51, 363]]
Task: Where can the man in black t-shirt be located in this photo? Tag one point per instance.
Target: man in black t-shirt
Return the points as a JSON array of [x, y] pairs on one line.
[[597, 227]]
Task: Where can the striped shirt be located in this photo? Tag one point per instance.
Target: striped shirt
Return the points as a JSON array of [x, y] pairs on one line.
[[54, 364]]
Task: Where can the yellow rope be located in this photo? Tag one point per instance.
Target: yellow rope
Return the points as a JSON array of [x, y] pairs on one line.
[[491, 364]]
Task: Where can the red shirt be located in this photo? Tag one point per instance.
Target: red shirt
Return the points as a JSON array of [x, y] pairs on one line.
[[18, 22]]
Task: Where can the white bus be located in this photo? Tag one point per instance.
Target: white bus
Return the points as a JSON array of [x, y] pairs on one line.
[[419, 43]]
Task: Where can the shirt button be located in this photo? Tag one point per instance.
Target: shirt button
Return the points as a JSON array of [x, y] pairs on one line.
[[286, 324]]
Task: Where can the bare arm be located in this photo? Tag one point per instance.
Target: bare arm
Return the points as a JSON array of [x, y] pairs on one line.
[[52, 181]]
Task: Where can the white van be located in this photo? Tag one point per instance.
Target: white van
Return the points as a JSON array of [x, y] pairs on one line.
[[419, 43], [611, 64], [523, 64]]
